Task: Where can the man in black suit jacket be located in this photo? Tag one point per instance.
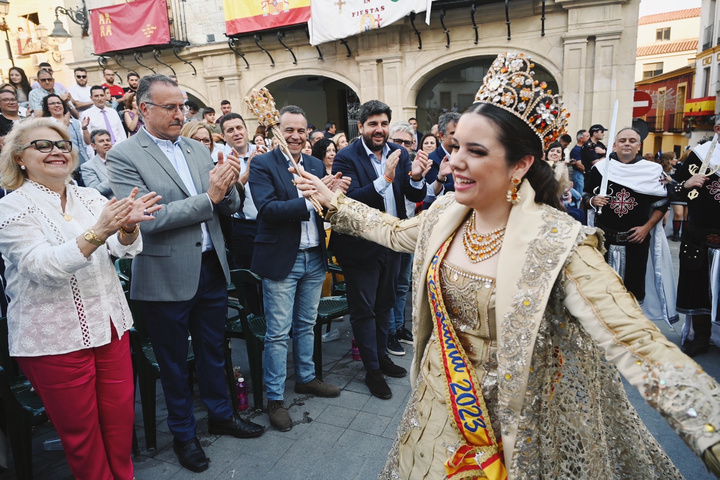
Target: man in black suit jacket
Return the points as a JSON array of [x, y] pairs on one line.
[[382, 175], [446, 129], [291, 258]]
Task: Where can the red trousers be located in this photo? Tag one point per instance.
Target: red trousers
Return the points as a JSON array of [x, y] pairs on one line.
[[89, 395]]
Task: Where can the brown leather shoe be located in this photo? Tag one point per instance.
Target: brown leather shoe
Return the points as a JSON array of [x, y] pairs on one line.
[[279, 415], [318, 388]]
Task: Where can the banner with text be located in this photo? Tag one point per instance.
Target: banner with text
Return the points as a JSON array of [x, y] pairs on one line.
[[243, 16], [337, 19], [129, 25]]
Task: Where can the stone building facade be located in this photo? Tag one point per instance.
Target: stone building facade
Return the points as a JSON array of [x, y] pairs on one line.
[[587, 52]]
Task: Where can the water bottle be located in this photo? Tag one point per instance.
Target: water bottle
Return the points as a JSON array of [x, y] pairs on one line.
[[330, 336], [242, 396], [355, 350]]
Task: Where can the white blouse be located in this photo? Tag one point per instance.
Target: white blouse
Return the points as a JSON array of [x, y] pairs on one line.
[[58, 300]]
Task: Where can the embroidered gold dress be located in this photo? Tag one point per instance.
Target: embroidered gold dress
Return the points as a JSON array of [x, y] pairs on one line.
[[548, 364]]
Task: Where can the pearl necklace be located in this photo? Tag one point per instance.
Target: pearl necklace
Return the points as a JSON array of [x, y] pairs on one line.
[[481, 246]]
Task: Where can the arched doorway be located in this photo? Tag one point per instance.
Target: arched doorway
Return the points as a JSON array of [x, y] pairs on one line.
[[323, 99], [454, 86]]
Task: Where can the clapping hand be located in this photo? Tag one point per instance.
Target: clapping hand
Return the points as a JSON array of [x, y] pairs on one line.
[[223, 177], [337, 182], [420, 166]]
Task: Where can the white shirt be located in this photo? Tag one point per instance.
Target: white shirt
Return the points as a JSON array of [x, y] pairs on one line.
[[60, 301], [309, 236], [97, 121], [81, 94], [59, 87], [173, 152], [382, 186], [249, 211]]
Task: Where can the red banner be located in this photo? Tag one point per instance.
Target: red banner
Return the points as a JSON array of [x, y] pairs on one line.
[[242, 16], [129, 25]]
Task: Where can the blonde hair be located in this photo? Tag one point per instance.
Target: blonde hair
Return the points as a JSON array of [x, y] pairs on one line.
[[336, 138], [191, 128], [11, 176]]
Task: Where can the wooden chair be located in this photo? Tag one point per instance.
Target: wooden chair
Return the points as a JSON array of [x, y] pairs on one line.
[[22, 408]]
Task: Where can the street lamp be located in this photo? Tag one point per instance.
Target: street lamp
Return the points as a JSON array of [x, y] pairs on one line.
[[4, 10], [78, 16]]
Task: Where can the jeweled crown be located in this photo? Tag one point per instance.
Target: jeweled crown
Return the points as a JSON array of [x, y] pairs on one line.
[[510, 85]]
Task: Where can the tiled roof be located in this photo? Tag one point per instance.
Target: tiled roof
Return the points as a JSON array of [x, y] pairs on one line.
[[668, 16], [668, 47]]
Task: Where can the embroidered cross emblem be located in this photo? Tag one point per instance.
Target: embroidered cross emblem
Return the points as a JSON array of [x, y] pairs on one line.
[[622, 203], [714, 188], [378, 19]]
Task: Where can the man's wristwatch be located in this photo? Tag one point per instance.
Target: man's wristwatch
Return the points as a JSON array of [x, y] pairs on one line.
[[92, 237]]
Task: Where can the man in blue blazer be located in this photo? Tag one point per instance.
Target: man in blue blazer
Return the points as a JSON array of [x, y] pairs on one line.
[[446, 129], [291, 258], [381, 175]]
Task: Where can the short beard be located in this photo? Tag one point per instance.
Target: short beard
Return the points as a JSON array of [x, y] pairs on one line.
[[369, 143]]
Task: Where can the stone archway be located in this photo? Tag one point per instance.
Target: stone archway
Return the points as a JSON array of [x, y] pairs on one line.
[[452, 87], [323, 98]]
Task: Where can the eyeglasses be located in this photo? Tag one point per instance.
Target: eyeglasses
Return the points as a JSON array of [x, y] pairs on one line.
[[45, 79], [8, 100], [400, 141], [80, 76], [170, 109], [206, 141], [46, 146]]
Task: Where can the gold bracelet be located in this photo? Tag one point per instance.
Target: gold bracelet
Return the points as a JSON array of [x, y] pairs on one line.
[[92, 237], [129, 232]]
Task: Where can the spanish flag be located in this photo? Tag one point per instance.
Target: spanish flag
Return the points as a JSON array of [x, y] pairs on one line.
[[242, 16]]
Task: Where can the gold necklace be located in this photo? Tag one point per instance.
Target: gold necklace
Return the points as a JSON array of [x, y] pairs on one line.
[[481, 246]]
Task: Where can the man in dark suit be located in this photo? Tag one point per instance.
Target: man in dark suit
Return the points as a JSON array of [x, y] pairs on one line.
[[180, 278], [382, 175], [437, 186], [291, 258]]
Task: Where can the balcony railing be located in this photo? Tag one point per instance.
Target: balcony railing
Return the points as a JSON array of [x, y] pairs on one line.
[[676, 122], [655, 124], [176, 19]]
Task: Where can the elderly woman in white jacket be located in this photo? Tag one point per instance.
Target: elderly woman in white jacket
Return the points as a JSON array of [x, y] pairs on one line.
[[67, 314]]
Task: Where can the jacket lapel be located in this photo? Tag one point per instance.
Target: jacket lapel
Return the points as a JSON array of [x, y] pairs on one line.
[[281, 166], [154, 152], [365, 162], [192, 165]]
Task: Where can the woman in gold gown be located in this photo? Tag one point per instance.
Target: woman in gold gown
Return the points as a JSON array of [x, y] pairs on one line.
[[520, 326]]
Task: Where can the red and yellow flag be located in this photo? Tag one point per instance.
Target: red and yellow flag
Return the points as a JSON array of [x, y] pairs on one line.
[[129, 25], [242, 16]]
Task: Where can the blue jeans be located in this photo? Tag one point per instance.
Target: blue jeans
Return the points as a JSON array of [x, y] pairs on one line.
[[292, 302], [578, 181], [397, 321]]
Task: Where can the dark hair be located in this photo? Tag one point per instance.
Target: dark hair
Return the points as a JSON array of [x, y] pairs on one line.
[[225, 102], [520, 140], [566, 138], [24, 84], [555, 144], [97, 87], [97, 132], [261, 130], [44, 64], [293, 109], [146, 83], [329, 125], [422, 140], [192, 105], [320, 148], [129, 100], [46, 109], [665, 160], [42, 70], [230, 116], [412, 118], [132, 74], [208, 110], [371, 108], [79, 69]]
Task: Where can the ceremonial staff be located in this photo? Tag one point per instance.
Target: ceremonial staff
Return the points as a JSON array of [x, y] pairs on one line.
[[262, 104], [705, 168], [604, 183]]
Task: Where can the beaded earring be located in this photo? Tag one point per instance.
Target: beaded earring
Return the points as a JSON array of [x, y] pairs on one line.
[[512, 195]]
